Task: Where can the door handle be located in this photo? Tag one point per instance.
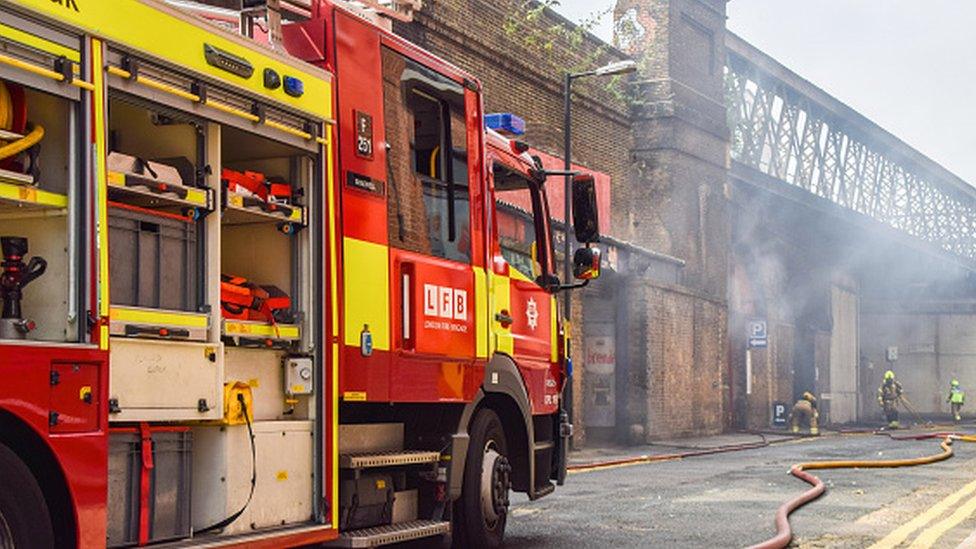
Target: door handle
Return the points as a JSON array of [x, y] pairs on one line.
[[407, 286], [504, 319], [132, 330]]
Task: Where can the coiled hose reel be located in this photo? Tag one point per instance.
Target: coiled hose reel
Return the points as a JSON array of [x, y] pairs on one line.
[[13, 118]]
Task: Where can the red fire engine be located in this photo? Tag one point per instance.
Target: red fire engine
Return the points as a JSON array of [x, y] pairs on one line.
[[267, 288]]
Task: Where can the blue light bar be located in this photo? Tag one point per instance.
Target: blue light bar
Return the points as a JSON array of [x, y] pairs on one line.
[[505, 122]]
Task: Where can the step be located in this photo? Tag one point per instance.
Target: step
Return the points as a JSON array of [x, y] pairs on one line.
[[387, 459], [394, 533]]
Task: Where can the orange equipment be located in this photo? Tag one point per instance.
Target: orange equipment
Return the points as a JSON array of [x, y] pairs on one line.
[[243, 300]]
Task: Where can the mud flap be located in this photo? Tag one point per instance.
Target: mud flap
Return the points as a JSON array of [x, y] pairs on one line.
[[561, 455], [459, 453], [565, 433]]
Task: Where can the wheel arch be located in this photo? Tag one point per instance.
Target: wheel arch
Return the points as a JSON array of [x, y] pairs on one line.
[[516, 438], [503, 391], [34, 451]]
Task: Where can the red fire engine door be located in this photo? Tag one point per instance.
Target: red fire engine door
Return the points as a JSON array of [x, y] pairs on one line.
[[430, 231], [525, 318]]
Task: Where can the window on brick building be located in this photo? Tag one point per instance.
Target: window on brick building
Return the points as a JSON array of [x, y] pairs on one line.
[[427, 160]]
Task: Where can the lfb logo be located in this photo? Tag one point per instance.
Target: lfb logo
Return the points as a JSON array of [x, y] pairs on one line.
[[445, 302], [532, 313]]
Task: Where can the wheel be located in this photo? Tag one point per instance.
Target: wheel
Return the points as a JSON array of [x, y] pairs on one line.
[[482, 510], [24, 518]]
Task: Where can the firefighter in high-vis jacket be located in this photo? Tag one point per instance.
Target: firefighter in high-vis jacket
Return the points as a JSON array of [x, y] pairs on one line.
[[888, 395], [805, 411], [956, 399]]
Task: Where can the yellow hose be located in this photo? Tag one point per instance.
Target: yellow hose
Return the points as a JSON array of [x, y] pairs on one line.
[[886, 463], [22, 144], [6, 108], [7, 120]]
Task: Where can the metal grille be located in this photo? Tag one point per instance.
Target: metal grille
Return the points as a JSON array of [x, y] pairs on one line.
[[810, 140], [394, 533], [387, 459]]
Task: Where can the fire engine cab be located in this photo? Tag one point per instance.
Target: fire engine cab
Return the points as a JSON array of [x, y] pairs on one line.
[[267, 281]]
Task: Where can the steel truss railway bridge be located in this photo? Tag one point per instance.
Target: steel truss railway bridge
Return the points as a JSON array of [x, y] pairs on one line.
[[788, 134]]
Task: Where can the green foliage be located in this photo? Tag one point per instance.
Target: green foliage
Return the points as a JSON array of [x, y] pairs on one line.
[[525, 25]]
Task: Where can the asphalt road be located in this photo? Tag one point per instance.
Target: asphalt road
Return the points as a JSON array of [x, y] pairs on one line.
[[729, 500]]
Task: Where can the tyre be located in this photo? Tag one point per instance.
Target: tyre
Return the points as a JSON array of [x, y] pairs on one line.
[[24, 518], [482, 510]]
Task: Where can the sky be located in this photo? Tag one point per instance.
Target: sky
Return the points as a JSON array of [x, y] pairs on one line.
[[908, 65]]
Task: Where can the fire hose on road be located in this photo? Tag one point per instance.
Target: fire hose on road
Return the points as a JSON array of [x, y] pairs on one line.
[[784, 533], [636, 460]]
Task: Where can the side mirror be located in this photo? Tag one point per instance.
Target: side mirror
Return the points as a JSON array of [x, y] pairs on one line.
[[586, 222], [586, 263]]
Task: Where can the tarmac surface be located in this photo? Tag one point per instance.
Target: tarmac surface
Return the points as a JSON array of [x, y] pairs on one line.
[[730, 499]]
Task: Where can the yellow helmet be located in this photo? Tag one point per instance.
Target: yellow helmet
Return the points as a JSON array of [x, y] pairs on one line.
[[807, 395], [954, 383], [889, 375]]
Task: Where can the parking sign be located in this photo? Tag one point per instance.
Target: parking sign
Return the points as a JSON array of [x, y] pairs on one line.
[[757, 334], [780, 414]]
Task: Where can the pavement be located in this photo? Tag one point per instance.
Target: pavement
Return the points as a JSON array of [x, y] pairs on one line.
[[730, 499]]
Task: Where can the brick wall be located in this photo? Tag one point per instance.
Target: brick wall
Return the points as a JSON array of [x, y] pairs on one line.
[[676, 344], [681, 137], [680, 184], [687, 371]]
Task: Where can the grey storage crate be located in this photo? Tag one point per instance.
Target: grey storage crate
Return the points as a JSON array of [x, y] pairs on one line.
[[169, 486], [153, 260]]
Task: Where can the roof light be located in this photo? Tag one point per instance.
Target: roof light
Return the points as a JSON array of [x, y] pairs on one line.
[[505, 122]]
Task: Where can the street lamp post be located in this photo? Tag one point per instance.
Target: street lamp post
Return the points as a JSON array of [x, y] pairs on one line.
[[620, 67]]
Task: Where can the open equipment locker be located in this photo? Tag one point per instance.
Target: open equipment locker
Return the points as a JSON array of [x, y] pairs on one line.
[[187, 364], [82, 69], [158, 203], [263, 236], [42, 187], [167, 362]]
